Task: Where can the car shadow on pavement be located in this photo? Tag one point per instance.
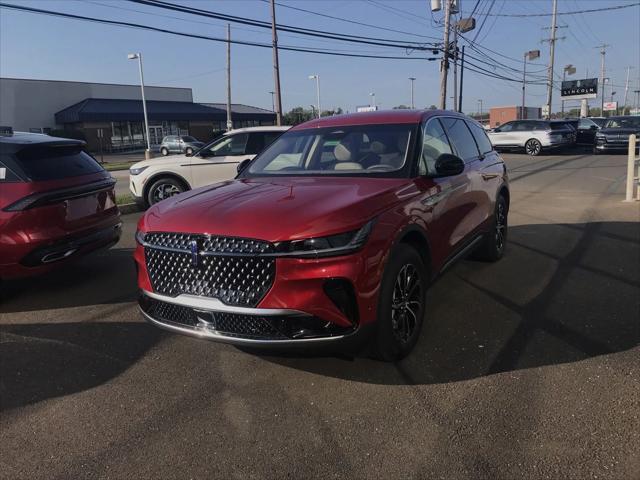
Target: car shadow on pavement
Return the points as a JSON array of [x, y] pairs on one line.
[[562, 293], [104, 277], [42, 361]]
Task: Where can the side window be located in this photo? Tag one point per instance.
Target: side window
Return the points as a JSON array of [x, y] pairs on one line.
[[434, 144], [481, 137], [255, 144], [461, 138], [230, 145], [507, 127]]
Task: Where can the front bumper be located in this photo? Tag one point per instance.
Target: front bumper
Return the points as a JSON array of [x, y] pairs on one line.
[[210, 319]]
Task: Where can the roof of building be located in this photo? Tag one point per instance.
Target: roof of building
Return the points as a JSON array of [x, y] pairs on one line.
[[380, 117], [239, 108], [113, 110]]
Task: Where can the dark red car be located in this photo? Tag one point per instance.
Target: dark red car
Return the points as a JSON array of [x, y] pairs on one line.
[[331, 235], [56, 203]]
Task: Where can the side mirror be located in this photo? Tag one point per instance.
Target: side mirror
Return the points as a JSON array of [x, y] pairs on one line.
[[448, 165], [243, 164], [496, 130]]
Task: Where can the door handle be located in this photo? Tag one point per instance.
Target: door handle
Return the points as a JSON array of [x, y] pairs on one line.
[[489, 176]]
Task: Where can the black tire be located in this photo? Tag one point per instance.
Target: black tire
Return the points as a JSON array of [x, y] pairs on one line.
[[533, 147], [164, 151], [596, 151], [163, 188], [189, 151], [400, 317], [494, 242]]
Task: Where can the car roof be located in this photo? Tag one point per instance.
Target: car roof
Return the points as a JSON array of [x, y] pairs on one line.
[[271, 128], [25, 138], [380, 117]]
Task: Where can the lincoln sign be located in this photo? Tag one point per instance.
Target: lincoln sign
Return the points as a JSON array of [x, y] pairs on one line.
[[579, 89]]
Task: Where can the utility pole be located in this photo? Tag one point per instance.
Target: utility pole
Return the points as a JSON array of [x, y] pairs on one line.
[[461, 80], [229, 119], [480, 106], [603, 52], [276, 65], [552, 43], [626, 90], [444, 65], [412, 79], [455, 67]]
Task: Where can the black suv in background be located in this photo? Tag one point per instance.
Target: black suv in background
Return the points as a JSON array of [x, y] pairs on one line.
[[615, 134]]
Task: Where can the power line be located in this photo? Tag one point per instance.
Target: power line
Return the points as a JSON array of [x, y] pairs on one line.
[[202, 37], [340, 19], [286, 28], [591, 10]]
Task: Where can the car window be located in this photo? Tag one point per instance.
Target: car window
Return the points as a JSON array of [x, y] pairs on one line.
[[228, 145], [484, 144], [48, 162], [348, 150], [540, 126], [623, 122], [189, 139], [559, 126], [586, 124], [461, 138], [434, 144], [507, 127]]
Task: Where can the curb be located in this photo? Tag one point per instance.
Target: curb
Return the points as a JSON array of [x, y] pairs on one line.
[[127, 208]]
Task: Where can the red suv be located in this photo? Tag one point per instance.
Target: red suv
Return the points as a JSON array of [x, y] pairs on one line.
[[56, 203], [333, 233]]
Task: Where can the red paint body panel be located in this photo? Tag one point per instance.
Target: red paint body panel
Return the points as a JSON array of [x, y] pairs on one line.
[[21, 232], [301, 207]]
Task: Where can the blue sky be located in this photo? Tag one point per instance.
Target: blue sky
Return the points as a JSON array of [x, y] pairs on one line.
[[36, 46]]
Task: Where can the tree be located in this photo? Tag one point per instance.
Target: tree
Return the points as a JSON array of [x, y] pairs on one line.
[[401, 107], [297, 115]]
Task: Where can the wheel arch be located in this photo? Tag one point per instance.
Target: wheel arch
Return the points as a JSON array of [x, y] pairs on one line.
[[504, 191], [416, 236]]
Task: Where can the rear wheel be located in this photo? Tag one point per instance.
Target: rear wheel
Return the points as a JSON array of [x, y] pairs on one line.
[[189, 151], [494, 243], [164, 188], [533, 147], [164, 151], [401, 306]]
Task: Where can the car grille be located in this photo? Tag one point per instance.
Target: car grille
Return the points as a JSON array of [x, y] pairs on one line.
[[228, 324], [225, 268]]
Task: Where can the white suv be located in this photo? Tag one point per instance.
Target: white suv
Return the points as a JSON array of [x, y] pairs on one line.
[[532, 135], [153, 180]]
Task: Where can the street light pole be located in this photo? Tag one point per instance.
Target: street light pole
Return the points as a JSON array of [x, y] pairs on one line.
[[373, 100], [480, 107], [138, 56], [531, 55], [412, 79], [273, 103], [317, 79]]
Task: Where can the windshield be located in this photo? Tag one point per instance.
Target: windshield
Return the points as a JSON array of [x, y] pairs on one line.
[[623, 122], [599, 121], [351, 150]]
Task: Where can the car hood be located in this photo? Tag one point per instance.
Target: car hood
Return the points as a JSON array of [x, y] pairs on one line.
[[277, 209], [161, 161]]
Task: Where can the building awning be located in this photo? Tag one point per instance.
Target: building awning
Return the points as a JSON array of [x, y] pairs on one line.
[[116, 110]]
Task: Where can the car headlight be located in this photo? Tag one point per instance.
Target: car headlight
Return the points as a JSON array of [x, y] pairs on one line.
[[339, 244], [140, 237], [137, 170]]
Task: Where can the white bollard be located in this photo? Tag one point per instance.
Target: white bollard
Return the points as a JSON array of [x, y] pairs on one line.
[[631, 168]]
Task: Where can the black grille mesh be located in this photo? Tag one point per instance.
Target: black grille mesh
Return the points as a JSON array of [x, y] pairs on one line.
[[230, 324], [241, 280]]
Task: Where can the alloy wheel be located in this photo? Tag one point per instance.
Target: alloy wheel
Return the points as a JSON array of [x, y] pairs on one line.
[[533, 147], [406, 303], [164, 190], [501, 226]]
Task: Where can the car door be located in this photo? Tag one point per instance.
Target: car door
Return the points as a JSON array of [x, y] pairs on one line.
[[219, 161], [441, 202], [586, 131], [503, 136]]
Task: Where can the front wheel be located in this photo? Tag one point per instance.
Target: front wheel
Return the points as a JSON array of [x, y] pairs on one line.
[[401, 307], [162, 189], [533, 147], [494, 243], [189, 151], [164, 151]]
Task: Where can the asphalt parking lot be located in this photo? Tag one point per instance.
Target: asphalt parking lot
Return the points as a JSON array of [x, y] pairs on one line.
[[528, 368]]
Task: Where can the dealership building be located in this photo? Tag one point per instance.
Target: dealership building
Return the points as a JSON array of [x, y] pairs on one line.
[[111, 115]]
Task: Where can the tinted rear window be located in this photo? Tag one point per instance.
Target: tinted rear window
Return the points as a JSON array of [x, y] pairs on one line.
[[560, 126], [48, 162]]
